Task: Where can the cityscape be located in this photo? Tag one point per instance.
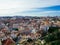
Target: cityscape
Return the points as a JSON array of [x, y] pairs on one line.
[[27, 30], [29, 22]]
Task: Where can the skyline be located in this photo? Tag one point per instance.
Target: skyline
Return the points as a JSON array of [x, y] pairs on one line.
[[29, 7]]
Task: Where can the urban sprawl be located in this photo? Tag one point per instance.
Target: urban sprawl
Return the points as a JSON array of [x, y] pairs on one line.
[[16, 30]]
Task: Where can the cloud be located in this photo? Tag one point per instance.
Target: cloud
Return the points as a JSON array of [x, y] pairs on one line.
[[45, 11], [50, 8], [12, 7]]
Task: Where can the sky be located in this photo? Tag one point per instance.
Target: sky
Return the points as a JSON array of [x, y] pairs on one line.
[[29, 7]]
